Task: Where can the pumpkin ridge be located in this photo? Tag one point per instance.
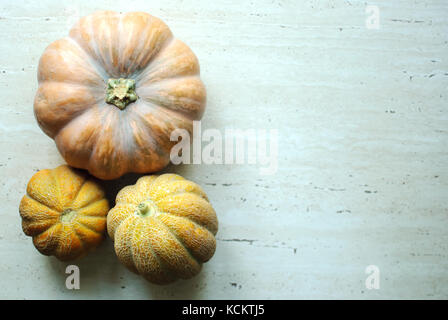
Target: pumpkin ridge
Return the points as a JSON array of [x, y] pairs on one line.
[[123, 193], [94, 150], [179, 192], [136, 58], [155, 138], [172, 113], [28, 233], [59, 188], [178, 239], [135, 228], [155, 81], [111, 216], [123, 149], [140, 73], [92, 201], [75, 231], [33, 220], [51, 207], [186, 217], [159, 81], [71, 120], [163, 262], [86, 226], [131, 247], [74, 116], [79, 190], [92, 217], [166, 43], [92, 136], [58, 191], [57, 250], [190, 220], [75, 84], [43, 204], [91, 204], [155, 142], [110, 38], [167, 105], [150, 184], [130, 146], [81, 235], [176, 77], [96, 66], [160, 179], [28, 219], [46, 250], [134, 62]]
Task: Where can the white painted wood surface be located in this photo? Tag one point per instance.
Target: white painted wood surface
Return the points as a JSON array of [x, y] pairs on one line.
[[362, 120]]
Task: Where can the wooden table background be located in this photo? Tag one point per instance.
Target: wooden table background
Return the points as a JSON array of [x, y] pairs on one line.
[[362, 164]]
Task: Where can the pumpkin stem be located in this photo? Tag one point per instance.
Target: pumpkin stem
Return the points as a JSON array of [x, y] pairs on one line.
[[145, 209], [68, 215], [120, 92]]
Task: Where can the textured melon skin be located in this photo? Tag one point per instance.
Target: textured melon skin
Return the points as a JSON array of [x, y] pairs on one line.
[[173, 238], [64, 211]]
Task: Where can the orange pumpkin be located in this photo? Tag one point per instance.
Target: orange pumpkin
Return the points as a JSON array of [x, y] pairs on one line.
[[64, 211], [111, 93], [163, 228]]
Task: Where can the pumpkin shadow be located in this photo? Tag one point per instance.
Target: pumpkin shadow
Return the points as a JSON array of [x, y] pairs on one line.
[[190, 289], [112, 187]]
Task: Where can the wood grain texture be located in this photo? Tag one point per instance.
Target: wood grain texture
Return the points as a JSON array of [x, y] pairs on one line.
[[363, 162]]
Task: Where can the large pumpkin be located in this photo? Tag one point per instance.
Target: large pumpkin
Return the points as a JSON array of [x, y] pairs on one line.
[[111, 93], [64, 211], [163, 228]]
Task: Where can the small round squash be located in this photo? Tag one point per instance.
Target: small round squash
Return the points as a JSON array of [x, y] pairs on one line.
[[64, 211], [163, 228]]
